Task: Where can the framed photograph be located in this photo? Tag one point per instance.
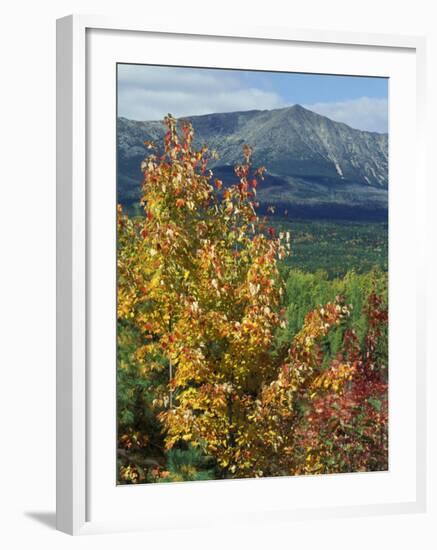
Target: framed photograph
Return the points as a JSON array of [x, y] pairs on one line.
[[240, 222]]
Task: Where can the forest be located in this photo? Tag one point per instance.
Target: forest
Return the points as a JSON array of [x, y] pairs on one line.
[[248, 346]]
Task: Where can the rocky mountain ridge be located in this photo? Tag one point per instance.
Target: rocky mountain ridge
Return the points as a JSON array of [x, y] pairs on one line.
[[313, 163]]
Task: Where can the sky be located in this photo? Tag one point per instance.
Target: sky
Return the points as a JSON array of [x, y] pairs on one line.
[[148, 92]]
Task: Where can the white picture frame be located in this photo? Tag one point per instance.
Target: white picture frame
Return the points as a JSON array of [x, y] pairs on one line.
[[74, 340]]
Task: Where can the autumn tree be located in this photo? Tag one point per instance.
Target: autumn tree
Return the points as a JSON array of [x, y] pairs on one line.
[[200, 278], [327, 417]]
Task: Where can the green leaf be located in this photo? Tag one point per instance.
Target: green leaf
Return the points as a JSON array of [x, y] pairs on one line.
[[376, 403]]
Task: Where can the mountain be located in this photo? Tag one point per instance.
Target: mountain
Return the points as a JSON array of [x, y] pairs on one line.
[[315, 166]]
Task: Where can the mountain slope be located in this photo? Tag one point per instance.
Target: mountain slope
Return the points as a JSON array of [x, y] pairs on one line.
[[311, 161]]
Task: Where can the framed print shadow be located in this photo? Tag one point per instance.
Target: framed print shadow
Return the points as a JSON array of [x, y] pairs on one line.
[[239, 327]]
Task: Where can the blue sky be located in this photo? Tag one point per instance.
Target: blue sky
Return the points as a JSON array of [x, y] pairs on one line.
[[150, 92]]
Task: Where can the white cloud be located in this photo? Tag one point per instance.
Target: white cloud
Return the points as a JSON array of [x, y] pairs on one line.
[[149, 93], [164, 78], [364, 113]]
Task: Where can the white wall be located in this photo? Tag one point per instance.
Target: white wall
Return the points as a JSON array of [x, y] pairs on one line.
[[27, 306]]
